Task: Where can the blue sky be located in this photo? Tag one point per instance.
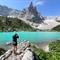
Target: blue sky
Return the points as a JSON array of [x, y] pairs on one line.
[[45, 7]]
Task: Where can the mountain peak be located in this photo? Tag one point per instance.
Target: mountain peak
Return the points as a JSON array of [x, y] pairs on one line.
[[31, 5], [32, 9]]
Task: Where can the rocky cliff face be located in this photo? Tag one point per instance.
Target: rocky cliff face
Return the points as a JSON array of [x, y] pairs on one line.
[[23, 53]]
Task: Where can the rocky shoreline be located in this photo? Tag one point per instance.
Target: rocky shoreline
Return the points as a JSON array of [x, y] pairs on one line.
[[23, 53]]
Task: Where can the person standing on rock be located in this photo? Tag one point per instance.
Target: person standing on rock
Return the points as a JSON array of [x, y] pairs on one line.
[[15, 37]]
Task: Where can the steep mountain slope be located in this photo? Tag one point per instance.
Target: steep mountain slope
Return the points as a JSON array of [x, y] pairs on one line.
[[48, 24], [14, 24], [57, 28]]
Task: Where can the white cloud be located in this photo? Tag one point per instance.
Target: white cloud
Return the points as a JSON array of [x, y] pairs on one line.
[[38, 2]]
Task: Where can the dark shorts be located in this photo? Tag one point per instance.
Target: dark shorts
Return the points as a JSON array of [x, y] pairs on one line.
[[14, 43]]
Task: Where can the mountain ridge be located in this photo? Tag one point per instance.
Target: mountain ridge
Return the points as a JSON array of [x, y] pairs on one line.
[[5, 11], [31, 16], [30, 13]]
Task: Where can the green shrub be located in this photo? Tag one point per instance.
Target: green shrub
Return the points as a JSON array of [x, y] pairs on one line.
[[2, 51]]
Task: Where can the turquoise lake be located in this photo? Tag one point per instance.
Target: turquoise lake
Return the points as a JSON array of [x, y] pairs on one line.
[[31, 36]]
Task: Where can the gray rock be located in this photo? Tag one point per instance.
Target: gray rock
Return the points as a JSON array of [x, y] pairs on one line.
[[23, 52], [28, 55]]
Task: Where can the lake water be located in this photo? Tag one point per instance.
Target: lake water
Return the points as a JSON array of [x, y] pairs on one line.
[[30, 36]]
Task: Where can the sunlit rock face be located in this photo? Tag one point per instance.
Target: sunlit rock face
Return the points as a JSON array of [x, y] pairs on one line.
[[28, 55]]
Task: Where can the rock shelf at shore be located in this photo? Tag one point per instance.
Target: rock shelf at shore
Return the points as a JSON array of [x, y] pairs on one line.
[[24, 52]]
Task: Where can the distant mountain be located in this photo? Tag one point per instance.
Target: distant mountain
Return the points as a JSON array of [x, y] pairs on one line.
[[31, 16], [30, 13], [5, 11]]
